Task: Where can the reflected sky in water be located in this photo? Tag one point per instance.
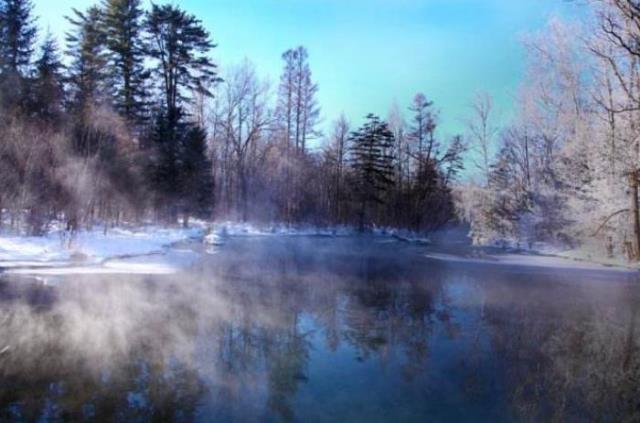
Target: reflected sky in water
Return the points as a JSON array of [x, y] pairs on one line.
[[319, 329]]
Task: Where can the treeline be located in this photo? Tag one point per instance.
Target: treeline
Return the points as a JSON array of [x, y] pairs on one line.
[[132, 121], [566, 171], [384, 173]]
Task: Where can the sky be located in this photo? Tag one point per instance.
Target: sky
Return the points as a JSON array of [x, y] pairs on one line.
[[366, 55]]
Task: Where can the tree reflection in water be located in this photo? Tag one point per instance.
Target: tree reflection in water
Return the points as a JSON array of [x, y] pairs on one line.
[[307, 329]]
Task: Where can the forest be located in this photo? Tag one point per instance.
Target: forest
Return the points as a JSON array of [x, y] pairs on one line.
[[131, 120], [565, 170]]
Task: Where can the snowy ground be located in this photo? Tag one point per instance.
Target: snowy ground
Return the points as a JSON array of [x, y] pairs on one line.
[[528, 260], [234, 229], [139, 250], [157, 250], [149, 249]]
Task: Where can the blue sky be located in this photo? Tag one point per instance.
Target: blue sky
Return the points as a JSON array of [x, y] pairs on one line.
[[367, 54]]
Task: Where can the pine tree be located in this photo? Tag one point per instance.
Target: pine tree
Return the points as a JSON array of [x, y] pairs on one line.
[[196, 175], [123, 32], [372, 162], [18, 33], [47, 85], [17, 37], [424, 189], [180, 45], [180, 171], [510, 200], [422, 131], [88, 80], [164, 168]]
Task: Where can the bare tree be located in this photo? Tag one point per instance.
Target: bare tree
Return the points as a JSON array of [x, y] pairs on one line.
[[337, 151], [245, 119], [482, 131]]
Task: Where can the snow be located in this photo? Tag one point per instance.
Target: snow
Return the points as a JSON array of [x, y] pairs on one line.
[[235, 229], [155, 250], [94, 251], [528, 260]]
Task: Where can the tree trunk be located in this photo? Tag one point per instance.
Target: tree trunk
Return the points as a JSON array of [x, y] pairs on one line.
[[635, 214]]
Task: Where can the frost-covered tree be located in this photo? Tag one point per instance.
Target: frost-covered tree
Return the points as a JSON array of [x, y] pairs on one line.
[[482, 131]]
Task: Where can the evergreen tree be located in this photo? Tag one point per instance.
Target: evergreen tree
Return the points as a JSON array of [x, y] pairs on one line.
[[509, 200], [180, 45], [422, 131], [164, 169], [18, 33], [17, 37], [180, 172], [123, 32], [88, 79], [196, 175], [47, 85], [372, 162]]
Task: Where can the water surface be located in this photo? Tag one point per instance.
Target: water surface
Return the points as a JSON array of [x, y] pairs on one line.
[[321, 329]]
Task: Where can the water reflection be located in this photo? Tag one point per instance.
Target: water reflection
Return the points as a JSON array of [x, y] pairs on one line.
[[322, 330]]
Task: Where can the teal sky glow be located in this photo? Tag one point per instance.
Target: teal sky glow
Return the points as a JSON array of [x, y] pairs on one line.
[[367, 54]]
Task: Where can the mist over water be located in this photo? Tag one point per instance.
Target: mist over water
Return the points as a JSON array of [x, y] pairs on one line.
[[320, 329]]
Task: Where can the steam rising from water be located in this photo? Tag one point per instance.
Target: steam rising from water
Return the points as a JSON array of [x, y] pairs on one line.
[[285, 329]]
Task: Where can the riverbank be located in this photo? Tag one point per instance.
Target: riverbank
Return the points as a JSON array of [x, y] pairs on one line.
[[539, 256], [153, 249]]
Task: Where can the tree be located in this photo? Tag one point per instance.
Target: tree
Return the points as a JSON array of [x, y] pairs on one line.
[[196, 175], [297, 115], [164, 167], [123, 31], [180, 45], [422, 130], [482, 131], [89, 83], [18, 33], [336, 154], [17, 37], [180, 171], [47, 86], [298, 110], [245, 119], [372, 163], [619, 23]]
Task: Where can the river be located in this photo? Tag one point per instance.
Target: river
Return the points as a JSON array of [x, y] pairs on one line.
[[323, 329]]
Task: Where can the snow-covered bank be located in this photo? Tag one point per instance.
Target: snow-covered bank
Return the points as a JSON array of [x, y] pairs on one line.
[[144, 249], [221, 230], [236, 229], [528, 260], [91, 251]]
